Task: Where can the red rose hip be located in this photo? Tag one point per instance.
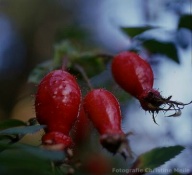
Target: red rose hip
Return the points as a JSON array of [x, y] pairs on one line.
[[135, 76], [57, 105], [132, 73], [103, 109], [81, 129]]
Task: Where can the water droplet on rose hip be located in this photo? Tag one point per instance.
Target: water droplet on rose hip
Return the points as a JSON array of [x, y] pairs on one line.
[[65, 99], [67, 90], [60, 87]]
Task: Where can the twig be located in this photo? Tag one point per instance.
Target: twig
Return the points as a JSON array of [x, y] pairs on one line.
[[84, 75]]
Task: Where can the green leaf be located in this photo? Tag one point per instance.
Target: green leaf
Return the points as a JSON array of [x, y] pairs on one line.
[[5, 137], [156, 157], [134, 31], [4, 143], [22, 130], [22, 159], [163, 48], [63, 52], [11, 123], [90, 62], [185, 21], [40, 71], [41, 153], [21, 162]]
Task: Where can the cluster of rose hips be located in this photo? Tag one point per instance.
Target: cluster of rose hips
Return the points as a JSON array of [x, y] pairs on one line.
[[59, 103]]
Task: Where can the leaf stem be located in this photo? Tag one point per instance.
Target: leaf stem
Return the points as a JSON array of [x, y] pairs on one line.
[[84, 75]]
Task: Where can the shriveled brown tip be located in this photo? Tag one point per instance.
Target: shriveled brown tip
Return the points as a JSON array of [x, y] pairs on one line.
[[117, 143]]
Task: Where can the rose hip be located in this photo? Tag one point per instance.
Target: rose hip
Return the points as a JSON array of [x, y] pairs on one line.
[[103, 110], [57, 105], [135, 76]]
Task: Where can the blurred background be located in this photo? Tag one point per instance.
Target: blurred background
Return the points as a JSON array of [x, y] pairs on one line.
[[29, 30]]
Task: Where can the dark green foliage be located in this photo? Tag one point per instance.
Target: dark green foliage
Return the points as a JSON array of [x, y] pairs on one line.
[[22, 130], [156, 157], [11, 123], [24, 159], [134, 31], [185, 21], [167, 49]]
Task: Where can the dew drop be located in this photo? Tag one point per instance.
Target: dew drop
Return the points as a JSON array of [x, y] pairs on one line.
[[67, 90], [65, 99], [60, 87]]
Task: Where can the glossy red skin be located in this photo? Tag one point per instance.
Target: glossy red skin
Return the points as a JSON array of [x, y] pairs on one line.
[[54, 137], [57, 103], [132, 73], [81, 129], [104, 111]]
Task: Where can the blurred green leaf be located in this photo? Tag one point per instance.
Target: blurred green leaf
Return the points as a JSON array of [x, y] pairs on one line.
[[67, 56], [182, 38], [134, 31], [23, 130], [156, 157], [4, 143], [22, 163], [159, 156], [5, 138], [40, 152], [11, 123], [185, 21], [163, 48], [90, 62], [22, 159], [64, 52], [40, 71]]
